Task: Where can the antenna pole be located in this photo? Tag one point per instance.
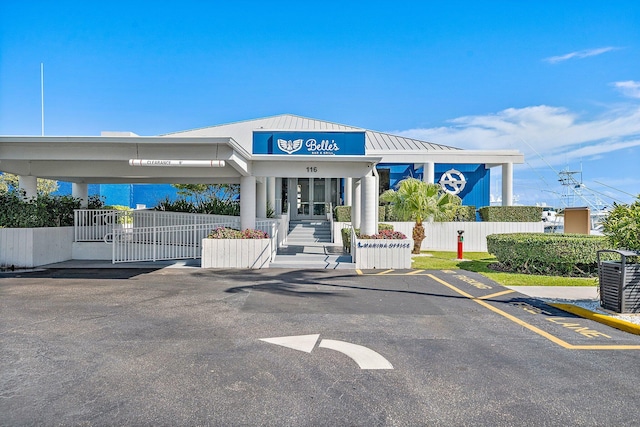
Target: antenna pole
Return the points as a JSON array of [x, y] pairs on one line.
[[42, 95]]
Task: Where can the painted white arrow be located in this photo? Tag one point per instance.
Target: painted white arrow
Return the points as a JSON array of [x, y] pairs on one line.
[[297, 342], [363, 356]]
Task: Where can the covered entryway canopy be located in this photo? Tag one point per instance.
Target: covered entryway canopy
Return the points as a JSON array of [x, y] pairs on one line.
[[257, 154]]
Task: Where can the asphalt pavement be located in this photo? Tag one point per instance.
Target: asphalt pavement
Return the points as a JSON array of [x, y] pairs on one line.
[[189, 346]]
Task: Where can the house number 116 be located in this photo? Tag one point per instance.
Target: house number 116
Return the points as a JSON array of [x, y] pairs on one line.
[[312, 169]]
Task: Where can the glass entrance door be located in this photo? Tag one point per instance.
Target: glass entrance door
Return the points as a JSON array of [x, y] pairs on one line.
[[314, 196]]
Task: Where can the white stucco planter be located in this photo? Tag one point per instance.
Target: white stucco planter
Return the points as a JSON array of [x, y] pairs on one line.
[[236, 253], [382, 253], [31, 247]]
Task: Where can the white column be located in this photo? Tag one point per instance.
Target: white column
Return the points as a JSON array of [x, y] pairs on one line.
[[28, 184], [271, 193], [429, 172], [507, 184], [376, 201], [261, 198], [80, 191], [247, 202], [355, 204], [348, 191], [278, 207], [368, 223]]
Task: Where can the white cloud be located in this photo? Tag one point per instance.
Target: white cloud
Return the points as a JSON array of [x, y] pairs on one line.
[[580, 54], [628, 88], [556, 133]]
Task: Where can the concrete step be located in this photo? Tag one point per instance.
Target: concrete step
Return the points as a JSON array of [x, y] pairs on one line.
[[303, 232], [324, 266], [312, 256], [307, 261]]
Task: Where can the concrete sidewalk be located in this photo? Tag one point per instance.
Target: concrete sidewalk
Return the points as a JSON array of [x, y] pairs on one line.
[[559, 292]]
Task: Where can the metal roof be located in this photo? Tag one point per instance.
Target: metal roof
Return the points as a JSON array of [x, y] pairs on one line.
[[242, 132]]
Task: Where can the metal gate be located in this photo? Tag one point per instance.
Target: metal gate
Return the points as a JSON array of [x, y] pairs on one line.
[[154, 235]]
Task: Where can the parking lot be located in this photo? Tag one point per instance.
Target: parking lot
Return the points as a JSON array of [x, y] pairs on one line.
[[298, 347]]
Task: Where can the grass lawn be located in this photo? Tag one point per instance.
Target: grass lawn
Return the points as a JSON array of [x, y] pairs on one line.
[[479, 261]]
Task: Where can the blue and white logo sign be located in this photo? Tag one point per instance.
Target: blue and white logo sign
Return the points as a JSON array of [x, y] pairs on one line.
[[289, 146], [453, 181], [309, 143]]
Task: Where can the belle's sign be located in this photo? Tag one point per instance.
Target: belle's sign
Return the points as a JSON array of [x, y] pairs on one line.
[[324, 143]]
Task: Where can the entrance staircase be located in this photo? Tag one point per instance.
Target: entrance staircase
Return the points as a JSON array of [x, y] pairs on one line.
[[309, 246]]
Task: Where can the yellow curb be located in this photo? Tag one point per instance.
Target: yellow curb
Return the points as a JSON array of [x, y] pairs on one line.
[[623, 325]]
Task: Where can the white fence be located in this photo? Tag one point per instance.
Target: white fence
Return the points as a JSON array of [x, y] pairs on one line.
[[92, 225], [155, 235], [443, 236], [158, 243]]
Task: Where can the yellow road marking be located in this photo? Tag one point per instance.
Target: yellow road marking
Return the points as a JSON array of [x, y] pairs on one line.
[[532, 328], [623, 325], [359, 272], [414, 272], [383, 272], [497, 294], [448, 271]]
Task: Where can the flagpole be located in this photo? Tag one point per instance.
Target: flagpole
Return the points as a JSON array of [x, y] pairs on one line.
[[42, 95]]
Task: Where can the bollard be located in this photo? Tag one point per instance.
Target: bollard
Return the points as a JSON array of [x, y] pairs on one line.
[[460, 240]]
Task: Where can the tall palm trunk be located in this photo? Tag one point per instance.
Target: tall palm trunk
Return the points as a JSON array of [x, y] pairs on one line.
[[418, 237]]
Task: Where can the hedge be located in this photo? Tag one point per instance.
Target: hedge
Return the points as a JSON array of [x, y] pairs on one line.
[[343, 213], [41, 211], [465, 214], [547, 253], [511, 213], [385, 213], [210, 206]]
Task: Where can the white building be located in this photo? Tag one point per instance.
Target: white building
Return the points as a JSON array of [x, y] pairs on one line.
[[306, 164]]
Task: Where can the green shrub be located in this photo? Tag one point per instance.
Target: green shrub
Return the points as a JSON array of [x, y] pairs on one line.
[[549, 254], [208, 206], [511, 213], [622, 226], [232, 233], [465, 214], [383, 226], [126, 217], [390, 214], [382, 213], [42, 211], [346, 239], [384, 235], [342, 213]]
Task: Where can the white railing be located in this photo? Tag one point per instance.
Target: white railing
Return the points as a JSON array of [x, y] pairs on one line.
[[159, 243], [270, 227], [155, 235], [92, 225]]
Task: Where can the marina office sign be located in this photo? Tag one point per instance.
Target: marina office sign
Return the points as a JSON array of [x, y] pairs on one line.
[[325, 143]]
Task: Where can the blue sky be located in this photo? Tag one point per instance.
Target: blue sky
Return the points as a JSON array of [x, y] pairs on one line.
[[557, 80]]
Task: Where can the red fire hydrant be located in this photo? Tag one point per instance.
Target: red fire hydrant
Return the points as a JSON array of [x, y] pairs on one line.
[[460, 240]]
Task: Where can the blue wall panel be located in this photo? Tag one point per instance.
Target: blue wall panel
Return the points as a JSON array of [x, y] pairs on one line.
[[475, 193], [477, 188]]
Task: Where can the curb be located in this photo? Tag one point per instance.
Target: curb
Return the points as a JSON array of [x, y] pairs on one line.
[[622, 325]]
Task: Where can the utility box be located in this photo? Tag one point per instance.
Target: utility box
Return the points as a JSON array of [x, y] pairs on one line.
[[577, 220], [619, 282]]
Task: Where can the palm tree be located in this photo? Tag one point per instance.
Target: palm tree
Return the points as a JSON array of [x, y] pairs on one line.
[[415, 200]]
